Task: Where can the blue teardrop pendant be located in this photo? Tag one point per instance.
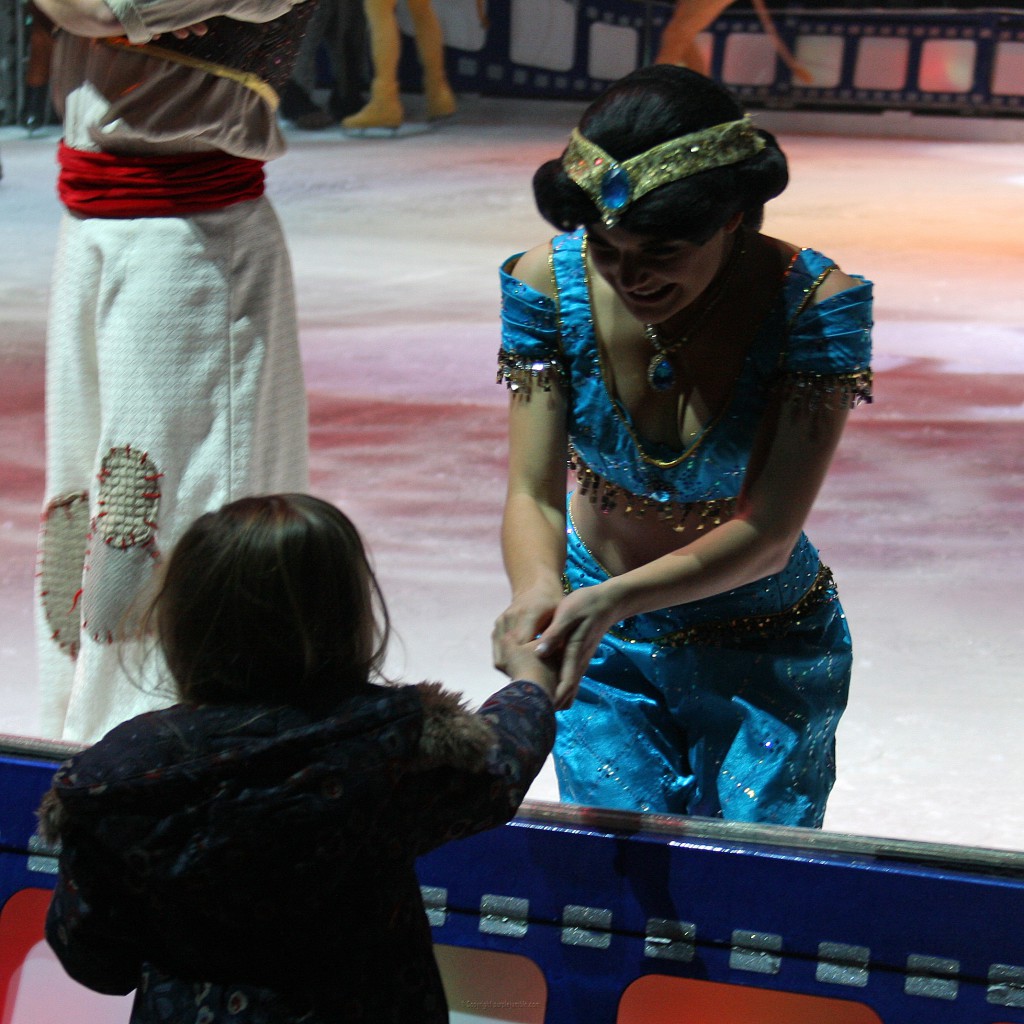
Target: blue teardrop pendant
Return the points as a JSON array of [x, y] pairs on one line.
[[660, 373]]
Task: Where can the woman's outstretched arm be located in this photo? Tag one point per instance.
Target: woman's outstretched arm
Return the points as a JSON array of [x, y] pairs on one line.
[[533, 525]]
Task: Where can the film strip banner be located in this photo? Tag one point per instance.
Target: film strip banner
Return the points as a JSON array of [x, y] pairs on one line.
[[929, 60]]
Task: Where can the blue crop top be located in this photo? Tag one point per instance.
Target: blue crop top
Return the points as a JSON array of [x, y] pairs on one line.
[[821, 351]]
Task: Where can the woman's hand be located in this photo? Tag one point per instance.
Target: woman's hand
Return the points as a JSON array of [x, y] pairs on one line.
[[519, 660], [530, 612], [514, 639], [580, 621]]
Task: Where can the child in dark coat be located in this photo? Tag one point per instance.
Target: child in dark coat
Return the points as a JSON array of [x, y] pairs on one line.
[[248, 854]]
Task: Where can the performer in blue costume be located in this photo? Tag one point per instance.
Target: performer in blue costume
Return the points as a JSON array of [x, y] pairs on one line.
[[699, 373]]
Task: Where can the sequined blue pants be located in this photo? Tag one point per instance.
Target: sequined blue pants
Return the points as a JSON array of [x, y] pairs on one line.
[[725, 707]]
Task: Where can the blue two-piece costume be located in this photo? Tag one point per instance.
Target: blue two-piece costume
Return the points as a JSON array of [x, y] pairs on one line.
[[726, 706]]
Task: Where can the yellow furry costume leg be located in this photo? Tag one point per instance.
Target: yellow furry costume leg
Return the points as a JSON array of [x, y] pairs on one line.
[[430, 46], [384, 109]]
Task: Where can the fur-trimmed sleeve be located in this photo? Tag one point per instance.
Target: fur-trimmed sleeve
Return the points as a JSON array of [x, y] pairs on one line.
[[452, 734], [51, 816], [474, 768]]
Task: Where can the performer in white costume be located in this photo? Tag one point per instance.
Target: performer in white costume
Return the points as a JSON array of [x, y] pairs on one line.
[[173, 376]]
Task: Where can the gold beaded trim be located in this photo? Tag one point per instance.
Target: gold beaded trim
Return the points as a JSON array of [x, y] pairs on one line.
[[520, 375], [828, 390], [720, 633], [599, 490]]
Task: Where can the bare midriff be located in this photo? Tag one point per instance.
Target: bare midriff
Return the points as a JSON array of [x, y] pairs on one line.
[[622, 539]]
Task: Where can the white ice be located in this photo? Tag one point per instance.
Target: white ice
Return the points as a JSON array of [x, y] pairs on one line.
[[396, 242]]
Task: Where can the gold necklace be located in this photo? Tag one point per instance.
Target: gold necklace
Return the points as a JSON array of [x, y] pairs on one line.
[[661, 374]]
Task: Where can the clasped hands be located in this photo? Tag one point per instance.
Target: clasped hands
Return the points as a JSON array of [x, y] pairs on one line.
[[555, 634]]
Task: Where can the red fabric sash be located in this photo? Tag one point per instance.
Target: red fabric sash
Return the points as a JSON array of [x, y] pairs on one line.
[[108, 185]]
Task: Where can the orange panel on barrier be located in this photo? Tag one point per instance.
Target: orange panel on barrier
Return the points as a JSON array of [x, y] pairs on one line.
[[21, 927], [657, 999], [33, 985], [482, 985]]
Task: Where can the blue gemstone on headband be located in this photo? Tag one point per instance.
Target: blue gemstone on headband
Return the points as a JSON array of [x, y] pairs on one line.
[[615, 188]]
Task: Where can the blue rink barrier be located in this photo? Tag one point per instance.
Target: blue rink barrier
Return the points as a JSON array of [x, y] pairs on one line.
[[654, 919]]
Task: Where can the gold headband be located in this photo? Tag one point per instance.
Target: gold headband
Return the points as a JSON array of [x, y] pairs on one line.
[[614, 184]]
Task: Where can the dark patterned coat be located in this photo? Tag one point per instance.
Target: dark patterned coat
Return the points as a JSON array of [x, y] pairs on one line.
[[256, 865]]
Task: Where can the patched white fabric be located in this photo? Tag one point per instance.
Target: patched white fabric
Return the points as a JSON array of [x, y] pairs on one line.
[[129, 497], [62, 544], [174, 385], [122, 547]]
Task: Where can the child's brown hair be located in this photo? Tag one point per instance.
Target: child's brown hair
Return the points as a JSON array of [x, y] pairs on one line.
[[271, 599]]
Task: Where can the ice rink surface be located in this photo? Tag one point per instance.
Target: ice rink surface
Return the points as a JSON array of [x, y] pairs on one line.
[[396, 243]]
